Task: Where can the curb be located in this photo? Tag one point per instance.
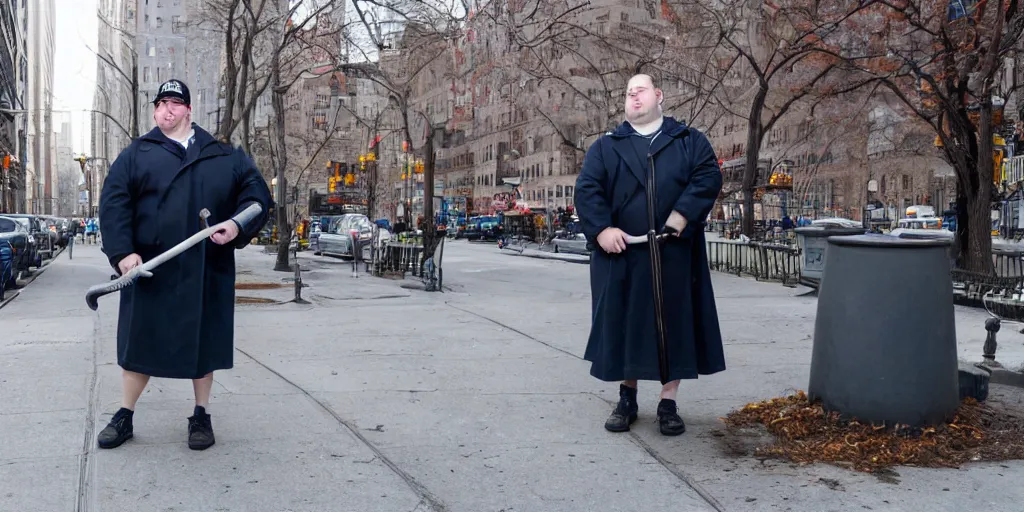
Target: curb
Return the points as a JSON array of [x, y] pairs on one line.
[[549, 256], [10, 295]]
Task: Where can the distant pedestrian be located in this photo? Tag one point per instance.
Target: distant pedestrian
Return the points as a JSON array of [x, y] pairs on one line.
[[179, 323], [612, 202], [91, 230]]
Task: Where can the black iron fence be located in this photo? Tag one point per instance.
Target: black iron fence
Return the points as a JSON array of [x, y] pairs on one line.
[[1008, 262], [760, 260]]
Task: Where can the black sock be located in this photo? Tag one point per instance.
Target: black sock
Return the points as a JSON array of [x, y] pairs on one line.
[[123, 413], [199, 411], [665, 403]]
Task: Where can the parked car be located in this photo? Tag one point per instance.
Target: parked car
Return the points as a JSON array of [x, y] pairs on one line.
[[15, 233], [46, 240], [483, 228], [316, 228], [339, 239], [572, 243]]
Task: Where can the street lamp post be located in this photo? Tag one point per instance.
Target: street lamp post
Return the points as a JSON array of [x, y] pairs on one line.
[[88, 185], [82, 160]]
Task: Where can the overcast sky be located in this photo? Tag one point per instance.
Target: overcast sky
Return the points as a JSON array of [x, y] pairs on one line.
[[74, 75]]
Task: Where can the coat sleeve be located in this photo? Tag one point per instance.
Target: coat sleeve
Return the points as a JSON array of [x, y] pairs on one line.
[[591, 194], [116, 209], [252, 188], [705, 184]]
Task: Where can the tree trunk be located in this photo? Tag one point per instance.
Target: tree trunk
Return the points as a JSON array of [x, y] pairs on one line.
[[371, 181], [978, 251], [753, 151], [247, 133], [230, 77], [135, 95], [277, 101], [429, 226]]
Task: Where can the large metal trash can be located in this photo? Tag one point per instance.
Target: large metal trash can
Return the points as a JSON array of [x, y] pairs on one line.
[[885, 336]]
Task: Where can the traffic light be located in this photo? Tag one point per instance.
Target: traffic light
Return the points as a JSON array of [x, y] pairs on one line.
[[332, 184]]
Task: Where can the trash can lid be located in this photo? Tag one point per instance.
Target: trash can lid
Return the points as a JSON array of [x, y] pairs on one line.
[[878, 240]]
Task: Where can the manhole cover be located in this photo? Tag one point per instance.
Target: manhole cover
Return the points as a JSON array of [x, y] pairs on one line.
[[258, 286]]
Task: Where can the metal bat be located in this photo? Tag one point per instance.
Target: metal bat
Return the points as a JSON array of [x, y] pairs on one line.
[[145, 270]]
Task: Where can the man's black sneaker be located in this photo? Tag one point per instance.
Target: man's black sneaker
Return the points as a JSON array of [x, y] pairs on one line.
[[200, 430], [625, 411], [668, 420], [118, 430]]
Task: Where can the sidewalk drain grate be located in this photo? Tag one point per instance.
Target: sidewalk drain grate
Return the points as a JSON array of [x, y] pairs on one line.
[[254, 300], [258, 286]]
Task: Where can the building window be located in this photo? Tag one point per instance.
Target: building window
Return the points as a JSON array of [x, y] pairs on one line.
[[147, 77]]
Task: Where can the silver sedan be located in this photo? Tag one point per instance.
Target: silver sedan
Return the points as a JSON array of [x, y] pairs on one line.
[[339, 239]]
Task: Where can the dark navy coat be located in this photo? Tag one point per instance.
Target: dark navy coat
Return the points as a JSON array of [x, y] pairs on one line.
[[180, 322], [611, 191]]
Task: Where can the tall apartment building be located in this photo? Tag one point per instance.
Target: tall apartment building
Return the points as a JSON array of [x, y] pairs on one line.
[[67, 170], [173, 42], [112, 130], [13, 87], [497, 146], [39, 164]]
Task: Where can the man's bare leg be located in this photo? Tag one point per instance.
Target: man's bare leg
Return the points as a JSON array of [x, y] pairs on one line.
[[120, 428], [132, 386], [202, 388], [669, 421], [200, 426], [669, 391]]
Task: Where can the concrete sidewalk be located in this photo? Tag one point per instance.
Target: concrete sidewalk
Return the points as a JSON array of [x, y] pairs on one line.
[[377, 398]]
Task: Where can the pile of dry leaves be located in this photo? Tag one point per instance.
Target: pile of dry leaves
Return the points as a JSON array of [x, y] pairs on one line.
[[803, 432]]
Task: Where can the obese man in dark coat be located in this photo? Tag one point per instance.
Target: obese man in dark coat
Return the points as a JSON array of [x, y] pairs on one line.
[[179, 322], [611, 200]]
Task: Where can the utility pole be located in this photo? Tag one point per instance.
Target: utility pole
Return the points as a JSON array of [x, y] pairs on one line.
[[88, 186], [82, 160]]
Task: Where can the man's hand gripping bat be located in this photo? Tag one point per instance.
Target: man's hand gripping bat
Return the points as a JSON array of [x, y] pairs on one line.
[[145, 270]]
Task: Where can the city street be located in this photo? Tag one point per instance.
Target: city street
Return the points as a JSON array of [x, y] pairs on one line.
[[376, 397]]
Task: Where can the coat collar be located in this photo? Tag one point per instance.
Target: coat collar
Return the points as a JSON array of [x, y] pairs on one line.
[[670, 131], [208, 146]]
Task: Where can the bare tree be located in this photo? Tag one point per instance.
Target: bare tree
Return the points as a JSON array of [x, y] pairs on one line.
[[944, 62], [251, 30], [785, 57], [289, 62], [401, 67]]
